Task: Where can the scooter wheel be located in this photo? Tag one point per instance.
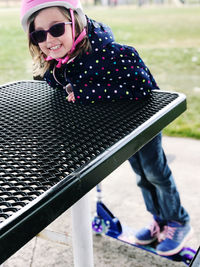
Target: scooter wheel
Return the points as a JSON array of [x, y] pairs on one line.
[[98, 225], [187, 255]]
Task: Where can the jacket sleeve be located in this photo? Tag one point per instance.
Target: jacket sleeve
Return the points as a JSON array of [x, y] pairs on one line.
[[48, 77]]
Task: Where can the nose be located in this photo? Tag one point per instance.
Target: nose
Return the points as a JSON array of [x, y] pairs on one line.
[[49, 37]]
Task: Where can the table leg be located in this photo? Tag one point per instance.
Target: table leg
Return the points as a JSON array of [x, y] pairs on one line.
[[82, 233]]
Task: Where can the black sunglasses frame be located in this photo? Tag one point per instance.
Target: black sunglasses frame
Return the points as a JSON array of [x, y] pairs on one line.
[[40, 36]]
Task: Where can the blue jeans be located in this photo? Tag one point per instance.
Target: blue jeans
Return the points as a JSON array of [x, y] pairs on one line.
[[156, 181]]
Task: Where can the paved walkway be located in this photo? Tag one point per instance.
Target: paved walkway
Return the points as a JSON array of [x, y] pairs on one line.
[[124, 199]]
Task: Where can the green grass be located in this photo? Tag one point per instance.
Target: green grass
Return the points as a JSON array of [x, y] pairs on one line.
[[14, 54], [167, 38]]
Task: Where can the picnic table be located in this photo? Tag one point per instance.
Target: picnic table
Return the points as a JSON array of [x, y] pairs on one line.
[[52, 153]]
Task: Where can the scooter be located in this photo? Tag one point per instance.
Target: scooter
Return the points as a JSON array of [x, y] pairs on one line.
[[106, 223]]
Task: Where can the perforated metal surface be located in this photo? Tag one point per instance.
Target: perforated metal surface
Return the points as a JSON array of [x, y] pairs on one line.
[[53, 152], [43, 138]]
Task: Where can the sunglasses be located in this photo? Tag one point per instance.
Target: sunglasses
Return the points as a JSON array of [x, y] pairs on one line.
[[55, 30]]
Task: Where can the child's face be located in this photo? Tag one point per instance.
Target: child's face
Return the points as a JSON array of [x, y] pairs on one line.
[[56, 47]]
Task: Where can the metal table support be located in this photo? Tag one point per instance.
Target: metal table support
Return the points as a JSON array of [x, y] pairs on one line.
[[52, 153], [82, 233]]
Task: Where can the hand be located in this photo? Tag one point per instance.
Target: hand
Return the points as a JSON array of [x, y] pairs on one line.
[[71, 97], [69, 88]]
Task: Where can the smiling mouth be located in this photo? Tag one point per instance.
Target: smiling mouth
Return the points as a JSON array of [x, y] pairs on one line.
[[55, 47]]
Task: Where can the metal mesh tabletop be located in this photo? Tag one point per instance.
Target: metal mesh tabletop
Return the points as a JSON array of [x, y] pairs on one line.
[[53, 152]]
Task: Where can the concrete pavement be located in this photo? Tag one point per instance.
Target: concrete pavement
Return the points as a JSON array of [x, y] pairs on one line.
[[124, 199]]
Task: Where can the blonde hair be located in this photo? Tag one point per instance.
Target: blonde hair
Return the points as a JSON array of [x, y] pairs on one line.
[[40, 66]]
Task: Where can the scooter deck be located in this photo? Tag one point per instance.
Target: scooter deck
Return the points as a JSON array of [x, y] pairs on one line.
[[106, 223], [127, 236]]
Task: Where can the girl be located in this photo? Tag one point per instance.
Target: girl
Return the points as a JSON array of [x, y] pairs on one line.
[[79, 55]]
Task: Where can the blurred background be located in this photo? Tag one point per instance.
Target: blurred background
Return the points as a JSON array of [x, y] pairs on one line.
[[166, 34]]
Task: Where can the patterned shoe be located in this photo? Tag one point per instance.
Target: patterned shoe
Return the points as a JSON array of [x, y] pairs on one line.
[[149, 234], [174, 237]]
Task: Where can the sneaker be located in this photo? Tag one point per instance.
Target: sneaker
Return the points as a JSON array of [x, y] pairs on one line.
[[149, 234], [173, 238]]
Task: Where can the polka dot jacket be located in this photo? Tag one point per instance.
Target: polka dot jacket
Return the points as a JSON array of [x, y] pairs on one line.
[[110, 71]]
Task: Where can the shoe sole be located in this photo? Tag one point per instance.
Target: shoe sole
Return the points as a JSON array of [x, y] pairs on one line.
[[178, 249], [145, 242]]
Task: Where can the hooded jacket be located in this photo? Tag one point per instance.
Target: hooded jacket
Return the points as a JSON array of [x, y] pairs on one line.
[[110, 71]]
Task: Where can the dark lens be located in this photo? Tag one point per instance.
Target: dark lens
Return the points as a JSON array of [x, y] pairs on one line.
[[57, 29], [38, 36], [41, 35]]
